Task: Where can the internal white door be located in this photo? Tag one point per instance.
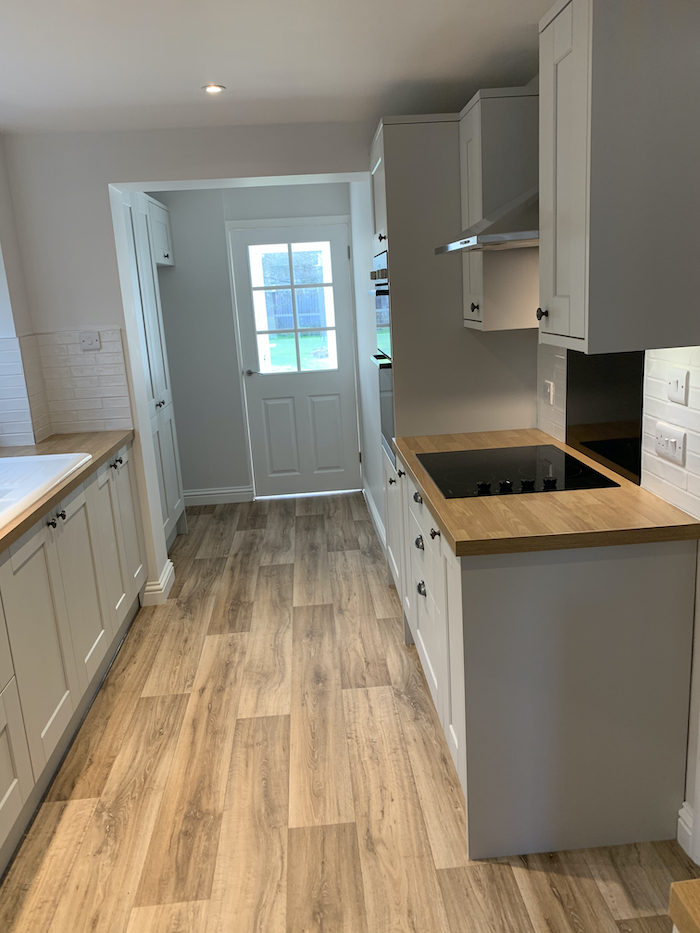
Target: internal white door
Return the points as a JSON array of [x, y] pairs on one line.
[[295, 321]]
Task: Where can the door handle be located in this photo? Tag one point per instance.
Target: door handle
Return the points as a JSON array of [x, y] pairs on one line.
[[253, 372]]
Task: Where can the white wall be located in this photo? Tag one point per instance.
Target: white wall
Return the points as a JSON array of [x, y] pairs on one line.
[[551, 414], [59, 191], [15, 319], [199, 322]]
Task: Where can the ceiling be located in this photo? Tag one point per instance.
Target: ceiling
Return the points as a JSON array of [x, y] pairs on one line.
[[129, 64]]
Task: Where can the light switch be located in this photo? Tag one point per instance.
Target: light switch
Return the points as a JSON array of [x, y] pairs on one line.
[[549, 390], [678, 380], [670, 442], [90, 340]]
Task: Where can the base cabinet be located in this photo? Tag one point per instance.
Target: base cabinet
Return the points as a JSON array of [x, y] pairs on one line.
[[394, 523], [168, 464], [16, 779]]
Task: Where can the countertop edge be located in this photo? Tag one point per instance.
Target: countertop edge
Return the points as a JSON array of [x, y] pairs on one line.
[[18, 526], [645, 534]]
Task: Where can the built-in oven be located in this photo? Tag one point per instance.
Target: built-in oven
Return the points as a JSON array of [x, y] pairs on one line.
[[383, 359]]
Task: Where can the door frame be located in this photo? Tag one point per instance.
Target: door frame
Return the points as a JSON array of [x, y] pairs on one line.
[[329, 220]]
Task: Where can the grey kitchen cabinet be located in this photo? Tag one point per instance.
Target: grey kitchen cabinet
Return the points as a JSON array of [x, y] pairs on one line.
[[121, 545], [498, 144], [16, 780], [618, 166], [40, 639], [168, 465]]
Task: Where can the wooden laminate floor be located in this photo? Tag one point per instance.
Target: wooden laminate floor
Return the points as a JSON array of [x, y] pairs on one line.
[[264, 756]]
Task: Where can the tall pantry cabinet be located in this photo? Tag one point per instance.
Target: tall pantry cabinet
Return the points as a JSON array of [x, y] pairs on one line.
[[153, 246]]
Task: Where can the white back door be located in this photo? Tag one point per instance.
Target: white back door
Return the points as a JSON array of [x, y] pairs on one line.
[[295, 323]]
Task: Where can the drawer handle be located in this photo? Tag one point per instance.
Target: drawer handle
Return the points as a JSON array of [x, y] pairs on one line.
[[419, 543], [434, 533], [402, 472], [541, 314], [62, 515], [391, 480], [119, 460], [473, 307], [52, 523], [421, 589], [418, 498]]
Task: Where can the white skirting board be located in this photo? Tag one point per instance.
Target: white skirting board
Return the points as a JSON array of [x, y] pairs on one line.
[[156, 592], [685, 829], [218, 496], [376, 520]]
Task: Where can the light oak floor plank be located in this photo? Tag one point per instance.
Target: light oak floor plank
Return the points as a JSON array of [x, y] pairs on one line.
[[184, 551], [385, 599], [88, 763], [39, 875], [320, 790], [176, 662], [278, 541], [634, 879], [360, 512], [312, 583], [309, 505], [266, 689], [252, 515], [234, 603], [561, 895], [362, 652], [341, 532], [272, 609], [182, 852], [400, 882], [200, 510], [325, 881], [99, 893], [646, 925], [219, 530], [170, 918], [483, 898], [250, 882], [437, 783]]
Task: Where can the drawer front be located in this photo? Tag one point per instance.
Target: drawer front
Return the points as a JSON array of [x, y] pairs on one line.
[[422, 560], [428, 527]]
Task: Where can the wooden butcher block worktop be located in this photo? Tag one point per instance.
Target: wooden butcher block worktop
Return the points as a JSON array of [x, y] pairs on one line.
[[545, 521], [101, 444]]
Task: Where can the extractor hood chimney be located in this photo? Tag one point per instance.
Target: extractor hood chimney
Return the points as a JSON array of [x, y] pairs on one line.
[[513, 226]]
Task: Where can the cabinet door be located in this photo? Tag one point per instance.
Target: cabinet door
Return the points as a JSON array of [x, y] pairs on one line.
[[6, 668], [79, 556], [168, 462], [470, 182], [40, 639], [16, 780], [430, 635], [105, 505], [124, 478], [161, 236], [135, 229], [394, 523], [378, 183], [455, 724], [564, 117]]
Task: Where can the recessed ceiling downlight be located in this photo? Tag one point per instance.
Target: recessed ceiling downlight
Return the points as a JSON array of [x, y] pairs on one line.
[[214, 88]]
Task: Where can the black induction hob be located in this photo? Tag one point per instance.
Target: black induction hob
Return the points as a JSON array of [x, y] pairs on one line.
[[459, 474]]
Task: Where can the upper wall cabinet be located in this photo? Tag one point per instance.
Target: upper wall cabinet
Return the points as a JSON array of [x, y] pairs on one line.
[[378, 182], [619, 153], [498, 163], [159, 222]]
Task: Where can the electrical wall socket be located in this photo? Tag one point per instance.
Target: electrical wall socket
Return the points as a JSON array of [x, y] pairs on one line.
[[549, 391], [670, 442], [678, 380], [90, 340]]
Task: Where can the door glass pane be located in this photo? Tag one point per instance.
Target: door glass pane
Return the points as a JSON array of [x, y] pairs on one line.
[[311, 263], [273, 309], [315, 307], [318, 350], [269, 264], [277, 353]]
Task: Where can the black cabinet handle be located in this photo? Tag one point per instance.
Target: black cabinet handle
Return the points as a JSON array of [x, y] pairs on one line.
[[421, 589], [119, 460], [474, 307], [166, 255], [381, 237], [417, 498], [392, 480], [434, 533], [113, 466], [541, 314], [62, 515], [402, 472], [52, 523], [419, 543]]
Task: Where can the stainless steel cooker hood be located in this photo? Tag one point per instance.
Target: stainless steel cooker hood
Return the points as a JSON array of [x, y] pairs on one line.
[[513, 226]]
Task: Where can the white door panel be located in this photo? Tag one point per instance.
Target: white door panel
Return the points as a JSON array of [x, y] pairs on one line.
[[295, 320]]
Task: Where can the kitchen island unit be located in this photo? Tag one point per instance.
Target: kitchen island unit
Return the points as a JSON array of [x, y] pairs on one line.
[[555, 631]]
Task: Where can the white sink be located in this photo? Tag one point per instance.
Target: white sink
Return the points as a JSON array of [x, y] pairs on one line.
[[24, 480]]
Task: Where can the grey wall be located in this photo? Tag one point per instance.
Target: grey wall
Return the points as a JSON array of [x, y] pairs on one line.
[[283, 201], [199, 331]]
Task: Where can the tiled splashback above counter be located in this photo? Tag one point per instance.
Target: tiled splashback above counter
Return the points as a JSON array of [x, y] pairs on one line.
[[50, 385]]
